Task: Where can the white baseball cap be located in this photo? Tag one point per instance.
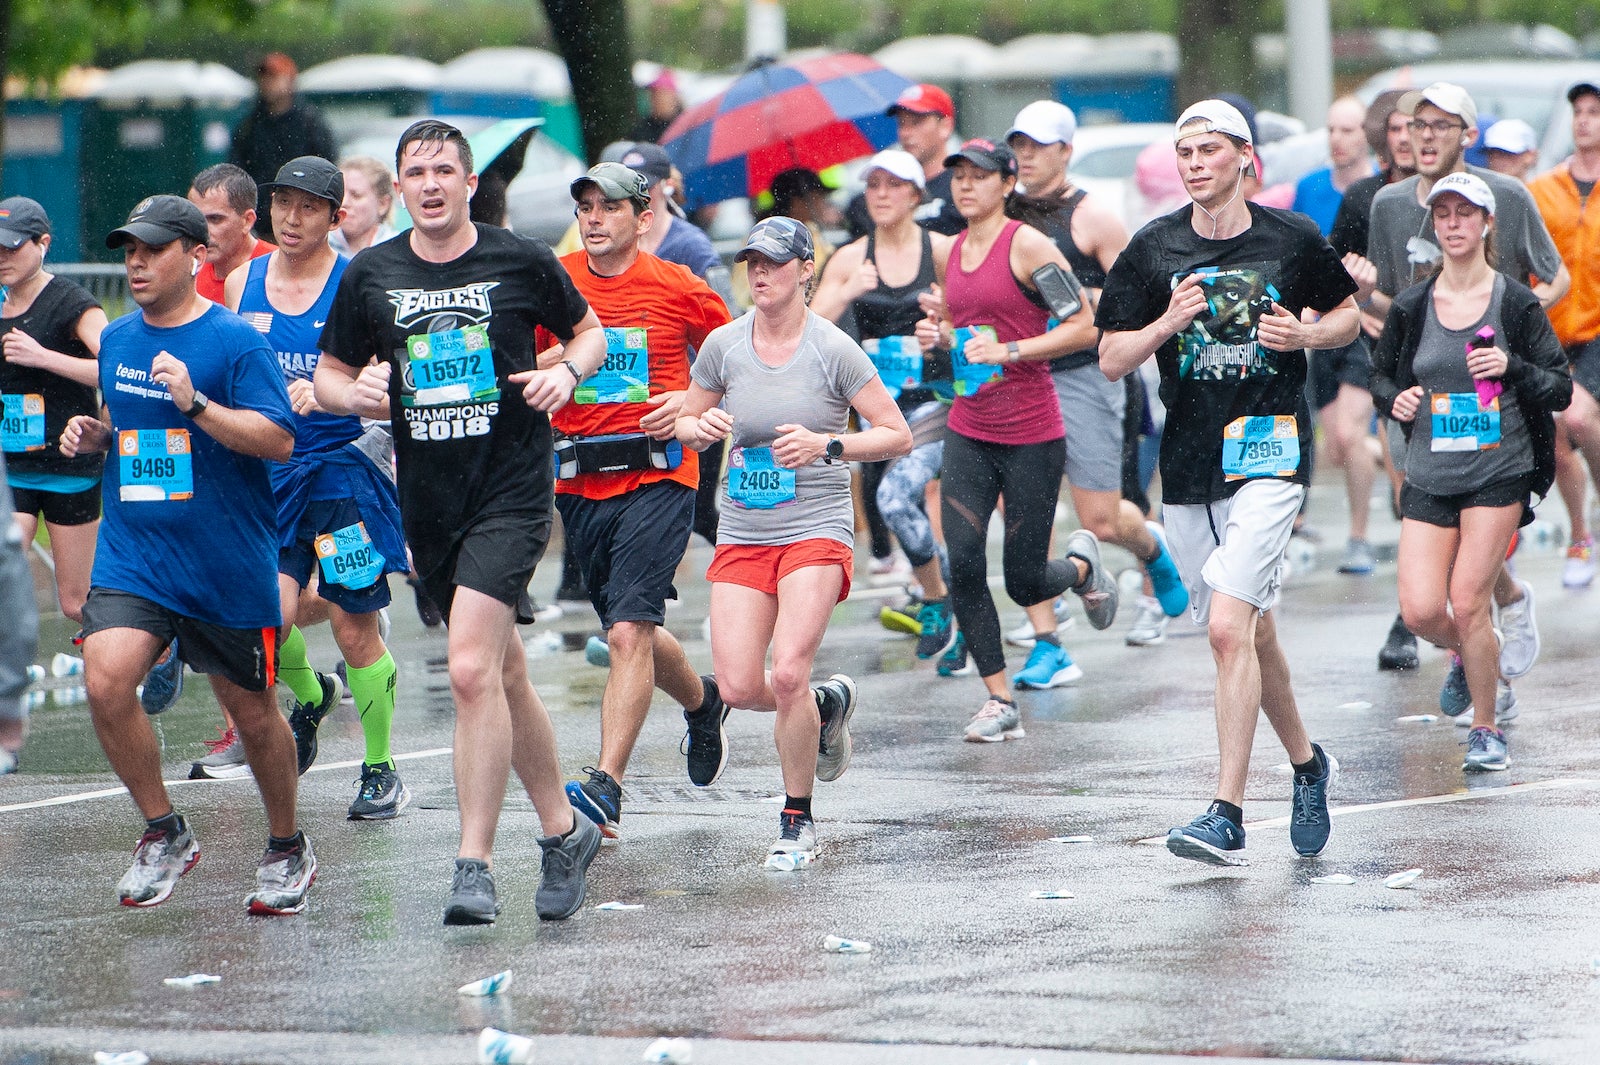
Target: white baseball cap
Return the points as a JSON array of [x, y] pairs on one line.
[[1469, 187], [1045, 121], [1219, 117], [897, 163], [1450, 98], [1511, 135]]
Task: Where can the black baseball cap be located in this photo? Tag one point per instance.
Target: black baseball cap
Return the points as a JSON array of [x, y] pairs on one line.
[[160, 220], [985, 154], [21, 220], [1580, 88], [313, 174]]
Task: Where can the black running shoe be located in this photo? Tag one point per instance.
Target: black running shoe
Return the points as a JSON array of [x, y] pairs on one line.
[[1400, 649], [472, 899], [599, 799], [306, 717], [706, 742]]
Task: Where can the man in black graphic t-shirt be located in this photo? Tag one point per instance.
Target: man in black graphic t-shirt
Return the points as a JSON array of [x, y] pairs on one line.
[[434, 330], [1215, 292]]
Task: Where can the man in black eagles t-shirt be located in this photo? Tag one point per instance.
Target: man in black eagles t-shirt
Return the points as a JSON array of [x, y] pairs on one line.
[[434, 331], [1215, 291]]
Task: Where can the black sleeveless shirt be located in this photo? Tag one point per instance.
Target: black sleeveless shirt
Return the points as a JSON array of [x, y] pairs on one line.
[[1058, 227], [892, 310]]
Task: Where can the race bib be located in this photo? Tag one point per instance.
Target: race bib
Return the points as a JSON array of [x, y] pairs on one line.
[[969, 377], [1266, 446], [1463, 422], [452, 368], [349, 558], [756, 481], [156, 465], [22, 423], [625, 375], [899, 362]]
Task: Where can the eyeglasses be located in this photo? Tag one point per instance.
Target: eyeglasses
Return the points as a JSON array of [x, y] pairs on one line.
[[1438, 129]]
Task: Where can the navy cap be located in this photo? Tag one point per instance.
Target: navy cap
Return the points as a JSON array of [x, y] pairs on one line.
[[313, 174], [649, 159], [159, 220], [779, 238]]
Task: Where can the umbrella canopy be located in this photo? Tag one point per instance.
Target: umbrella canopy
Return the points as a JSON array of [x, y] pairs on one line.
[[807, 112]]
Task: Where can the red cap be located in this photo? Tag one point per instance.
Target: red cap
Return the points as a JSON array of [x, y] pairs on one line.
[[924, 100]]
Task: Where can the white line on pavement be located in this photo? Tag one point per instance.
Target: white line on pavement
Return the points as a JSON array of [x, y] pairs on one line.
[[106, 793]]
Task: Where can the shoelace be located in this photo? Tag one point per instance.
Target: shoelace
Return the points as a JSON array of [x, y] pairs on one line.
[[371, 782], [223, 742], [1478, 740], [1305, 812], [791, 827], [470, 877], [1215, 822], [992, 709]]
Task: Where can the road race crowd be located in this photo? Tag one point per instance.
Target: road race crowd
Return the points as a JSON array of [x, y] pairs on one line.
[[278, 427]]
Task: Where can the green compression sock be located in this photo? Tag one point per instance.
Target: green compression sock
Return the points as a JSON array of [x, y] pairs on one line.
[[373, 689], [295, 671]]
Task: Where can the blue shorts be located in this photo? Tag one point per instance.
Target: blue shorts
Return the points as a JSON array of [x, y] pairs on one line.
[[629, 547], [299, 560]]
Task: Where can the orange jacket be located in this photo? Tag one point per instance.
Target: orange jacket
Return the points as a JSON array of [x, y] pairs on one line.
[[1576, 316]]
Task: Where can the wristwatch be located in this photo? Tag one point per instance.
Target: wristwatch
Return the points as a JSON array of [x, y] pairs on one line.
[[1013, 351], [198, 406], [573, 370], [834, 450]]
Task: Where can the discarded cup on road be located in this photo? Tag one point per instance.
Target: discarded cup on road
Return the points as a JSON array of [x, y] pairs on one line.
[[837, 945], [545, 643], [65, 665], [1338, 879], [122, 1057], [788, 861], [1418, 717], [36, 673], [666, 1051], [502, 1048], [71, 696], [1070, 839], [1359, 704], [195, 980], [1051, 895], [1402, 880], [620, 906], [489, 985]]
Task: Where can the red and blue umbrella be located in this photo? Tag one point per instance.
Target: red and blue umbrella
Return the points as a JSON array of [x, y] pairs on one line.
[[813, 113]]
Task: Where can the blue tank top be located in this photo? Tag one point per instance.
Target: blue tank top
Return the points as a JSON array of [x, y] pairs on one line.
[[296, 340]]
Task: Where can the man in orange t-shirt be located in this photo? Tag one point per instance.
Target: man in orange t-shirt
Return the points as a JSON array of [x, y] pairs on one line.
[[628, 518], [226, 195]]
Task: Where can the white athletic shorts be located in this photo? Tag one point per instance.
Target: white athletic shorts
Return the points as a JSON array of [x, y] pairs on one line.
[[1234, 546]]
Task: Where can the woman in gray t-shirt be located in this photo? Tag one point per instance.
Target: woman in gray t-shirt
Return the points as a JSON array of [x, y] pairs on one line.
[[1464, 369], [786, 380]]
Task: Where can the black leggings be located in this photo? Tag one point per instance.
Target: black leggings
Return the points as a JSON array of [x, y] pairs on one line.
[[975, 476], [877, 529], [706, 515]]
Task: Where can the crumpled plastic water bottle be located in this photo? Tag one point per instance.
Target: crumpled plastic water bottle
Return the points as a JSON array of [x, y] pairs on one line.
[[502, 1048]]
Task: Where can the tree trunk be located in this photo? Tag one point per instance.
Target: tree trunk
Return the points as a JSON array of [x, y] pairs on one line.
[[594, 40], [1216, 53], [5, 65]]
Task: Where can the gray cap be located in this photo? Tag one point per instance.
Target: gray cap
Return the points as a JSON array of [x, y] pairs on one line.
[[21, 220], [779, 238], [649, 159], [615, 182], [159, 220], [313, 174]]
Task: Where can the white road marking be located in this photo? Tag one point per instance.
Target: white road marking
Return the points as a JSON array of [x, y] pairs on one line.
[[107, 793]]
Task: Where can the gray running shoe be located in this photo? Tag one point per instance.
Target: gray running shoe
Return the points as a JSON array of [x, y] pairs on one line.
[[472, 898], [158, 861], [836, 702], [1486, 751], [1099, 591], [282, 880], [381, 795], [1505, 707], [563, 869], [305, 718], [1519, 632], [797, 843], [225, 762], [1358, 558], [996, 721], [1149, 625]]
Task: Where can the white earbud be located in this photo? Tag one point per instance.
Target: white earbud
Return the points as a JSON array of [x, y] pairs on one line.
[[196, 271]]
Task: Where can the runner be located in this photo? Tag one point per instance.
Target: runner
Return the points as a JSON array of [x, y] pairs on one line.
[[626, 490], [1476, 454], [1403, 248], [49, 339], [925, 120], [786, 381], [475, 476], [226, 195], [858, 279], [1004, 436], [1214, 291], [338, 514], [188, 544], [1090, 236], [1320, 192], [1562, 195], [19, 632], [368, 205]]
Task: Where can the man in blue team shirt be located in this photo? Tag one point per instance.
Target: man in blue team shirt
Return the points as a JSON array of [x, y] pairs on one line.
[[194, 408]]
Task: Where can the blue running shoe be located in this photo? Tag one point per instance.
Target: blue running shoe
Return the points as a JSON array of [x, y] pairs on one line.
[[938, 629], [599, 799], [597, 652], [1309, 824], [1486, 751], [1164, 576], [1049, 666], [163, 684], [1210, 838], [955, 662], [1454, 699]]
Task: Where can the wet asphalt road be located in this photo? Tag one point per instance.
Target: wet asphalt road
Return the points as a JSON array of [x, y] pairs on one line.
[[930, 850]]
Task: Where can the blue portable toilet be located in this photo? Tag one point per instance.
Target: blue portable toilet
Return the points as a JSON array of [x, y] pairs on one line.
[[44, 160]]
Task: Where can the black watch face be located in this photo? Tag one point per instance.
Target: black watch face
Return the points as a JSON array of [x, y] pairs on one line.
[[835, 448]]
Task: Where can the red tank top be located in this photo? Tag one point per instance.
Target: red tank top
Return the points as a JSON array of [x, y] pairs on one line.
[[1021, 406]]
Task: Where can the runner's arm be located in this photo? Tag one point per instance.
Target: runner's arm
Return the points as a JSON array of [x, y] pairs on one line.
[[1549, 292], [344, 389], [233, 287], [247, 432], [1123, 351], [22, 350], [701, 422]]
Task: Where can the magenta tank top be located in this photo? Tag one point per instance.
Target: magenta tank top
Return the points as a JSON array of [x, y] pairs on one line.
[[1021, 406]]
